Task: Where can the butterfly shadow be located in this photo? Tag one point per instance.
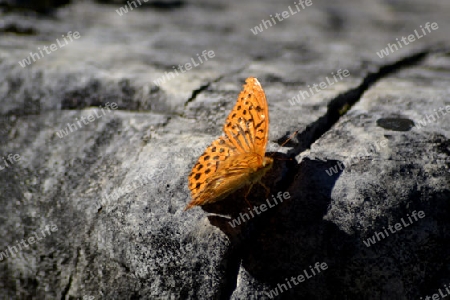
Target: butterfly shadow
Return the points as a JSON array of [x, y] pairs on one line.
[[288, 237]]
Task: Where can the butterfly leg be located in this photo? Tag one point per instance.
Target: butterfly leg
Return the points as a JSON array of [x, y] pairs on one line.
[[246, 194], [265, 187]]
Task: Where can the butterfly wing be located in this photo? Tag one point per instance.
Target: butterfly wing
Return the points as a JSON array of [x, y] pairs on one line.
[[247, 125], [231, 175], [246, 132], [207, 165]]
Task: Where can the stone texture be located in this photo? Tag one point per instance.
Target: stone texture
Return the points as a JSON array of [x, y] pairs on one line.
[[116, 187]]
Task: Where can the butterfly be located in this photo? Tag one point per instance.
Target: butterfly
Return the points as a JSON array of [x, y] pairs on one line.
[[237, 158]]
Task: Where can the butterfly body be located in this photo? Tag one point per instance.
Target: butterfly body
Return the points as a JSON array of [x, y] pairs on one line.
[[238, 158]]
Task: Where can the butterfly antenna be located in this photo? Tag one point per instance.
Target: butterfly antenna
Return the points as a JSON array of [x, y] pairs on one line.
[[285, 142]]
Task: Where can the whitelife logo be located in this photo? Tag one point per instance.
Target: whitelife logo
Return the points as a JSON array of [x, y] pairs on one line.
[[124, 9], [354, 159], [281, 17], [300, 278], [127, 189], [242, 216], [53, 47], [398, 226], [11, 158], [391, 48], [423, 122], [322, 85], [91, 118], [187, 66], [439, 296], [31, 240]]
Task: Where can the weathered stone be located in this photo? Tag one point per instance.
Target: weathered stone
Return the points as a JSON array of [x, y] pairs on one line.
[[367, 154]]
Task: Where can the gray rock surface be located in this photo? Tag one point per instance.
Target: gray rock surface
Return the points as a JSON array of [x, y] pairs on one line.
[[372, 149]]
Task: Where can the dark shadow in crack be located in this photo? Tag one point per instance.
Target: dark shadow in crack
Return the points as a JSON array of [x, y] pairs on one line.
[[229, 212], [293, 236], [283, 239]]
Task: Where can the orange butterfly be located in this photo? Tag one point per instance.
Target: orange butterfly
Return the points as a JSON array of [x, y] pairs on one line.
[[236, 159]]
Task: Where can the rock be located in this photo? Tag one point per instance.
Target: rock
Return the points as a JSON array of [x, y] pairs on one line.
[[372, 151]]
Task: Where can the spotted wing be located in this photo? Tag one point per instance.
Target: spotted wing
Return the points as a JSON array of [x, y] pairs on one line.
[[207, 165], [247, 126], [246, 131]]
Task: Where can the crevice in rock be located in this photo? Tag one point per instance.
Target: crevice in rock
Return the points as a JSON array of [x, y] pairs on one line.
[[231, 264], [339, 106], [67, 288], [203, 87], [18, 29], [166, 5], [69, 284], [336, 109]]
